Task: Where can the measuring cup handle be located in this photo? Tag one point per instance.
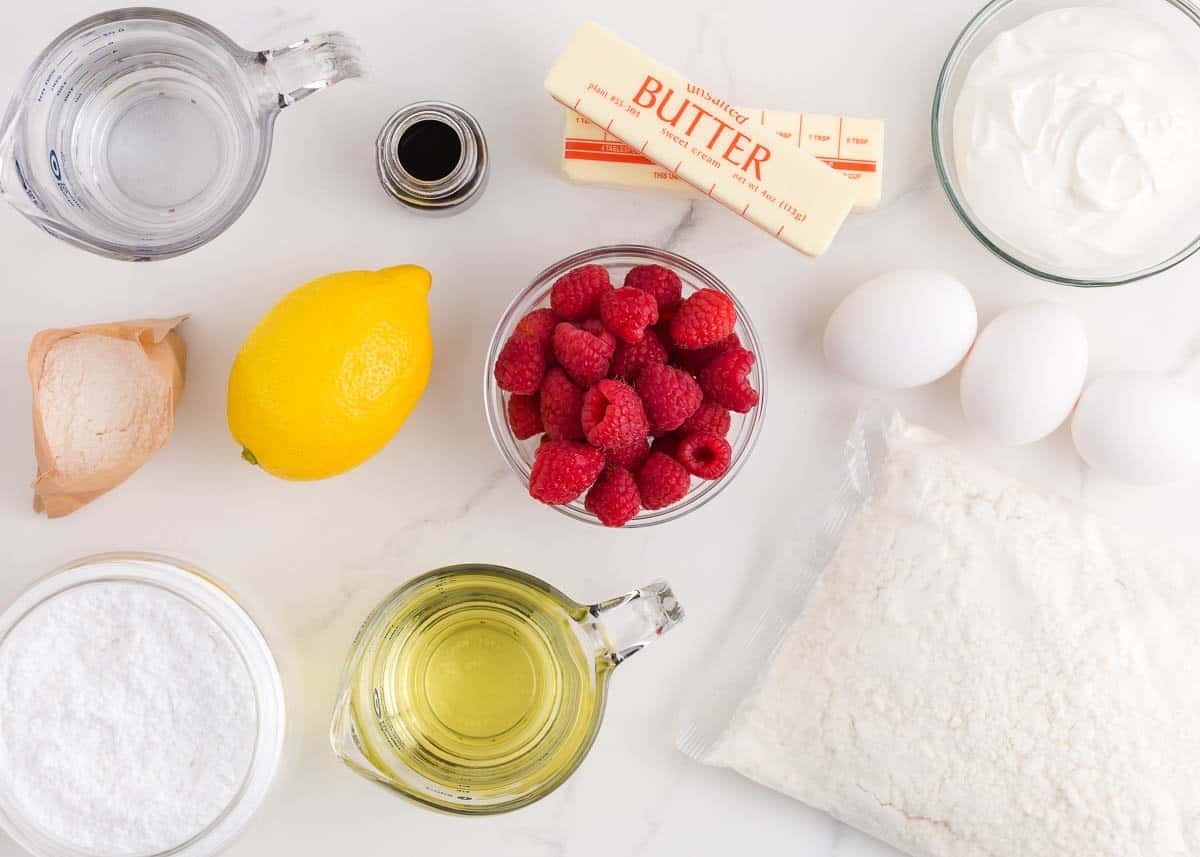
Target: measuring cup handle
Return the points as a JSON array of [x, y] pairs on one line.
[[633, 621], [308, 66]]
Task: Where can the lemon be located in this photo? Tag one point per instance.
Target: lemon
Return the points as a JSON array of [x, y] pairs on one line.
[[332, 371]]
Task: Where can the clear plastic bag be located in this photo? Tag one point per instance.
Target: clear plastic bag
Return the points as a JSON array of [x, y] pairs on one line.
[[963, 666], [780, 596]]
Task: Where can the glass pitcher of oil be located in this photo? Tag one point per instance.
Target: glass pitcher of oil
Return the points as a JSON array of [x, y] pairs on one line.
[[478, 689]]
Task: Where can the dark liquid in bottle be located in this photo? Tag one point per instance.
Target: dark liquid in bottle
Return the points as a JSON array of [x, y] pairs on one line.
[[429, 150]]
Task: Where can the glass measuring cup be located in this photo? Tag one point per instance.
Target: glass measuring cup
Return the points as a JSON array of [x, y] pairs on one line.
[[477, 689], [142, 133]]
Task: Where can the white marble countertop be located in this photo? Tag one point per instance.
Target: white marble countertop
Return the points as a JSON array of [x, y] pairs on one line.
[[309, 560]]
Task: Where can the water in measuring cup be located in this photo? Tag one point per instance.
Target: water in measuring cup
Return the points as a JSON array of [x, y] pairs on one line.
[[143, 133], [162, 151], [153, 131], [155, 143]]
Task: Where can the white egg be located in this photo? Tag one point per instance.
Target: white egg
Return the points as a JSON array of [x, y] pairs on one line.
[[1024, 374], [1138, 427], [901, 329]]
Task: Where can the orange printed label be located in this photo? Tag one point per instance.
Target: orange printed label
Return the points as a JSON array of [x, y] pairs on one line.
[[594, 156], [701, 138]]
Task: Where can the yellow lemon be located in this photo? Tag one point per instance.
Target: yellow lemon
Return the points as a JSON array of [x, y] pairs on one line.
[[332, 371]]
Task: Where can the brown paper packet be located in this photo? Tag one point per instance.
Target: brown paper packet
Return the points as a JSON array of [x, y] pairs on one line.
[[57, 495]]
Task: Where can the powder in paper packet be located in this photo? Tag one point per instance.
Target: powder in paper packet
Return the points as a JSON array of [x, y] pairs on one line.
[[104, 401]]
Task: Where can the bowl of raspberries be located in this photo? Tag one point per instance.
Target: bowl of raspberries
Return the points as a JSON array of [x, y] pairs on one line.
[[624, 387]]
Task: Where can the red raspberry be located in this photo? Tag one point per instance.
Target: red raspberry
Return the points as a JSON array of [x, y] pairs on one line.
[[562, 406], [705, 318], [704, 455], [525, 415], [666, 444], [584, 356], [562, 470], [540, 325], [613, 416], [521, 365], [630, 358], [693, 360], [596, 327], [669, 396], [725, 382], [662, 481], [614, 498], [709, 418], [627, 312], [660, 283], [630, 457], [663, 329], [576, 294]]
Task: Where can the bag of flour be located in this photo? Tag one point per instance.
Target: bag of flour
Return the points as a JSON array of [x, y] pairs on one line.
[[962, 666]]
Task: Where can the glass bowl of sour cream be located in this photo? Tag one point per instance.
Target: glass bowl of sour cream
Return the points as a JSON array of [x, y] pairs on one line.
[[1067, 137]]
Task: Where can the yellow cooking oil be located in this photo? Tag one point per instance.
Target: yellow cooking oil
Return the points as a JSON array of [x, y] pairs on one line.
[[483, 685]]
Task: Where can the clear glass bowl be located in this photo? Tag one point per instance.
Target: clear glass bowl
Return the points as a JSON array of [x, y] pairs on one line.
[[618, 259], [211, 599], [1181, 18]]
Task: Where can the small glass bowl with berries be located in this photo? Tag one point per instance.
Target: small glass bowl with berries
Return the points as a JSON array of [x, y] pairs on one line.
[[624, 386]]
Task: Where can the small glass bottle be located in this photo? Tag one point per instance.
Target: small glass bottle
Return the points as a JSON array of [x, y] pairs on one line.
[[432, 156]]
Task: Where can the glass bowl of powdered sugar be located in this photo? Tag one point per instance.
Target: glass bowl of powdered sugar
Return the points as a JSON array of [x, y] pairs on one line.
[[1066, 134], [141, 712]]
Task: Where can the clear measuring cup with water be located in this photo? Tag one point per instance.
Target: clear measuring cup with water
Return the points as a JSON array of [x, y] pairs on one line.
[[142, 133]]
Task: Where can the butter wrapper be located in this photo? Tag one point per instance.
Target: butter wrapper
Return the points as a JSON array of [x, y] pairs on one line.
[[849, 144], [720, 150]]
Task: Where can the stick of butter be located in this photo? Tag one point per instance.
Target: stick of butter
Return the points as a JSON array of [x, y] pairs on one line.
[[852, 146], [703, 139]]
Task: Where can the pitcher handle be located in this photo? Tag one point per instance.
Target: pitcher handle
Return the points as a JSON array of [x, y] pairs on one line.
[[310, 65], [630, 622]]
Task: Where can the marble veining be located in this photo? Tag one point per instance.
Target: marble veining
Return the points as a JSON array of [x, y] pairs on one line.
[[310, 560]]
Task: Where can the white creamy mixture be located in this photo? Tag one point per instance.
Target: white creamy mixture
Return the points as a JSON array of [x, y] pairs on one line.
[[127, 719], [985, 671], [1077, 138]]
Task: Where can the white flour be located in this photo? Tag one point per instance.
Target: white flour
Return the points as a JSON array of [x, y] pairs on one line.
[[127, 719], [102, 404], [985, 671]]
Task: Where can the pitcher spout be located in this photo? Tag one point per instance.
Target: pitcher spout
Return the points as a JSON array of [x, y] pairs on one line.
[[310, 65]]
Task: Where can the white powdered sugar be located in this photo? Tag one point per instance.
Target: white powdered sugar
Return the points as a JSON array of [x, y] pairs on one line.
[[986, 671], [127, 719]]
